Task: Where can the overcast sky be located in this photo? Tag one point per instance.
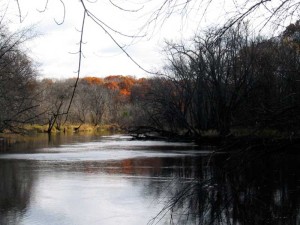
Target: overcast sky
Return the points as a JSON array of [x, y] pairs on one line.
[[55, 45]]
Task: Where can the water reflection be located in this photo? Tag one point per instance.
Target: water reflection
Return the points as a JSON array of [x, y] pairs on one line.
[[142, 183], [36, 142], [261, 191], [15, 191], [118, 187]]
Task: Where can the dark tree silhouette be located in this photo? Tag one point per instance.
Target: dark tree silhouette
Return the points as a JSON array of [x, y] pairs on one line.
[[17, 81]]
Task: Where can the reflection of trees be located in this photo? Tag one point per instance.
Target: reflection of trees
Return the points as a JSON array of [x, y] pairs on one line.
[[133, 166], [35, 143], [184, 167], [262, 191], [15, 191]]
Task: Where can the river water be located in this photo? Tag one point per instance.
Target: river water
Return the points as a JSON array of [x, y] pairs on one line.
[[114, 180]]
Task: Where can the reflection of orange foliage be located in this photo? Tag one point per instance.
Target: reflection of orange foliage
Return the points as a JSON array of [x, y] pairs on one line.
[[127, 166], [143, 166]]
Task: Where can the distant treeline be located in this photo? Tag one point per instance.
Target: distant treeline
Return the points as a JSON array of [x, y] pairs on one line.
[[214, 82]]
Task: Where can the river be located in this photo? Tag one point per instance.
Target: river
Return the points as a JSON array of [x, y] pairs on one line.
[[114, 180]]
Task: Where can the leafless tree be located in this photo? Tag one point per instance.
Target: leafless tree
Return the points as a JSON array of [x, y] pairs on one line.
[[90, 103], [216, 82], [276, 13], [17, 81], [54, 101], [99, 100], [208, 80]]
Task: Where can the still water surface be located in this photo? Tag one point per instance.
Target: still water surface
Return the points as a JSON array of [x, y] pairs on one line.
[[93, 180], [113, 180]]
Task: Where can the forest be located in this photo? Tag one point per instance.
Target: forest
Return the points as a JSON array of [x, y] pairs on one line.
[[213, 83]]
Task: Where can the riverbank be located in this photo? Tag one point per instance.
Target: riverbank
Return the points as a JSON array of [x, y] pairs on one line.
[[31, 131], [69, 128], [239, 139]]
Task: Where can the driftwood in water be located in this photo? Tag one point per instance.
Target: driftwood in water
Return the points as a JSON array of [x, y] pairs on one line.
[[76, 129], [223, 143], [152, 133]]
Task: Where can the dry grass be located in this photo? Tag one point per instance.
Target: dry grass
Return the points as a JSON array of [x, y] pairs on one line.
[[70, 128]]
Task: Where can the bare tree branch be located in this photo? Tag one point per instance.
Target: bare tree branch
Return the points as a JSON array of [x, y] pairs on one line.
[[99, 21], [20, 12], [119, 45], [123, 9], [79, 61], [64, 14], [45, 8]]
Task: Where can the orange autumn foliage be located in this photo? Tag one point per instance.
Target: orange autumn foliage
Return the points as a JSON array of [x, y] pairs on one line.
[[112, 85], [123, 84], [94, 80], [125, 92]]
